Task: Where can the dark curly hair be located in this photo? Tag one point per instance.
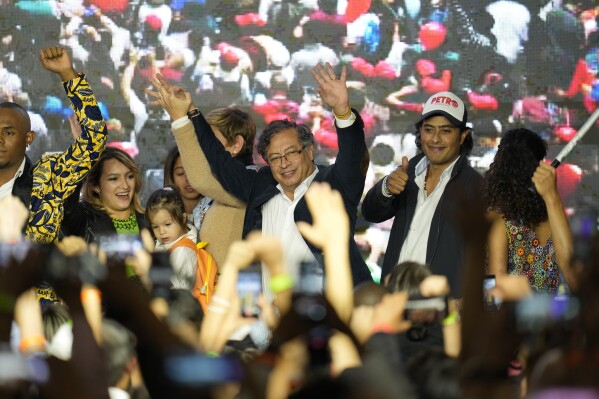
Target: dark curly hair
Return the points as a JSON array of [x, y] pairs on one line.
[[507, 184]]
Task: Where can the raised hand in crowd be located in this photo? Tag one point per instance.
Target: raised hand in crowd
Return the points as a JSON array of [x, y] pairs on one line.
[[141, 261], [223, 316], [20, 263], [57, 60], [13, 217], [344, 353], [511, 287], [545, 182], [73, 246], [174, 99], [329, 231], [333, 89], [434, 285], [438, 286], [388, 315]]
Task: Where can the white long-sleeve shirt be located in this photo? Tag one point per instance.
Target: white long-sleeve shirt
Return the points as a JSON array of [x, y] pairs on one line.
[[184, 260]]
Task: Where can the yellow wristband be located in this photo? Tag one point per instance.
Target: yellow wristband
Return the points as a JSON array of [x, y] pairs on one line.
[[451, 318], [345, 115], [280, 282]]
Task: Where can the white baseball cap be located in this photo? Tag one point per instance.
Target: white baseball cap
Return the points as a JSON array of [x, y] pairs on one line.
[[448, 105]]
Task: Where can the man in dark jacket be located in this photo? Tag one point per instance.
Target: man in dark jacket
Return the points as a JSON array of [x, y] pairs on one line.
[[274, 194], [424, 193]]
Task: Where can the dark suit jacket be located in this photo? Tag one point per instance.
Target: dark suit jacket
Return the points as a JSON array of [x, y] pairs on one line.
[[258, 188], [444, 251]]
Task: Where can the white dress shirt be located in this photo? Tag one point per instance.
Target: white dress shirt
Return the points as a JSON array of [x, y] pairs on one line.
[[6, 188], [415, 245], [278, 221]]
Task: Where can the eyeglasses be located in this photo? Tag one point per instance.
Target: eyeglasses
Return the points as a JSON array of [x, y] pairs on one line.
[[290, 156]]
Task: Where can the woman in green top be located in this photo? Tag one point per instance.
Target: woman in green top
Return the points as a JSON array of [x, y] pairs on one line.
[[110, 199]]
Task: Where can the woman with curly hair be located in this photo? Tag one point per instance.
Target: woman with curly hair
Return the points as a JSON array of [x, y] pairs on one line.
[[530, 234]]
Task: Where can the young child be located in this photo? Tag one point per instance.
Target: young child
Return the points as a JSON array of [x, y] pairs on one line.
[[165, 212]]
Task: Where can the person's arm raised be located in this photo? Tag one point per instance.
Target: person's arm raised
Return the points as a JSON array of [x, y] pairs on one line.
[[213, 172], [223, 309], [74, 163], [333, 90], [545, 181], [56, 59], [175, 100]]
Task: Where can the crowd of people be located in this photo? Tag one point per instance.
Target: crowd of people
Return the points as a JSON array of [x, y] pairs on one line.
[[256, 56], [242, 273]]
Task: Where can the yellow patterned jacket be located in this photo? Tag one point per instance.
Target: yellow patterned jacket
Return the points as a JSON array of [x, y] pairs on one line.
[[55, 177]]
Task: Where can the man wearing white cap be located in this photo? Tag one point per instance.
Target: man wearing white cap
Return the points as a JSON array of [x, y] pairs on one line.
[[424, 193]]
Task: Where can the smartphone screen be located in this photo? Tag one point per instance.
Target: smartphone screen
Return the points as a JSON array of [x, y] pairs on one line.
[[160, 274], [541, 311], [249, 288], [196, 370], [311, 279], [120, 245], [490, 302]]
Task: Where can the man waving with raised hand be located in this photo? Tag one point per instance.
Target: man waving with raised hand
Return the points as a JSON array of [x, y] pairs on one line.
[[275, 194]]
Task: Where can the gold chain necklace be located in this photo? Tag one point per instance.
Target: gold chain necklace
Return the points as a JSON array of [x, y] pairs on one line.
[[425, 179]]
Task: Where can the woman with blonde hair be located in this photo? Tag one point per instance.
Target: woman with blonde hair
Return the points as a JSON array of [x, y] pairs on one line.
[[110, 199]]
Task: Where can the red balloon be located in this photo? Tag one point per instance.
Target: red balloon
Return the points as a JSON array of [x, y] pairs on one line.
[[384, 70], [355, 8], [425, 67], [565, 132], [327, 138], [432, 35], [568, 179]]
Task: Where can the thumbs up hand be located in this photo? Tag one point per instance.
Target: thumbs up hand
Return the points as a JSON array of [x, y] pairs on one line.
[[397, 180]]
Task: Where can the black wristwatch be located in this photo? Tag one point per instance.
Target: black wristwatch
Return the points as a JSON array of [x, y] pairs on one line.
[[193, 113]]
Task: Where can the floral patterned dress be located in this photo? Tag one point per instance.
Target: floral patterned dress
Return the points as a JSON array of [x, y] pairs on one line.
[[526, 257]]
